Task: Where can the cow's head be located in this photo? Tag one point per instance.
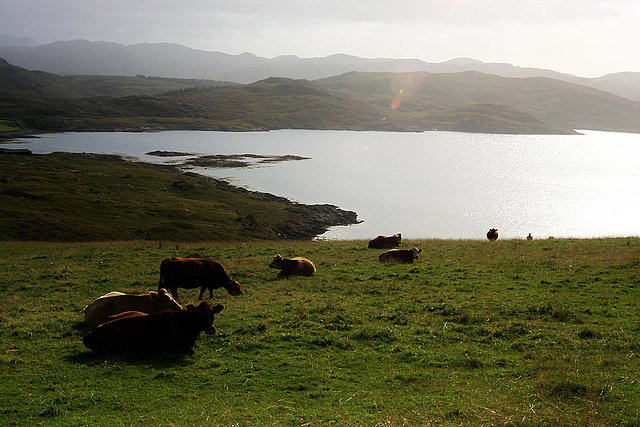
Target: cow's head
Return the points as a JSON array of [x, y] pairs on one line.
[[416, 252], [276, 263], [233, 287], [204, 314], [164, 300]]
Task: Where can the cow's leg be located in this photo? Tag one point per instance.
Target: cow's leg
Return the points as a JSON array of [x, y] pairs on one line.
[[210, 292], [202, 291]]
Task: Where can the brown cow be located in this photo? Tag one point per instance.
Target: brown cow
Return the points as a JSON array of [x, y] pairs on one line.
[[385, 242], [293, 266], [189, 273], [117, 302], [152, 334], [492, 234], [405, 256]]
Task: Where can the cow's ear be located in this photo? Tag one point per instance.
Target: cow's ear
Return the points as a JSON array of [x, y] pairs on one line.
[[218, 308], [153, 294]]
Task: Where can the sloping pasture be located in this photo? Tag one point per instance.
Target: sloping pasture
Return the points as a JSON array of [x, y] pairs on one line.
[[543, 332]]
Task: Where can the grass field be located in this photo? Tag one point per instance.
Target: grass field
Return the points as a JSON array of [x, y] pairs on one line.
[[519, 333], [8, 125]]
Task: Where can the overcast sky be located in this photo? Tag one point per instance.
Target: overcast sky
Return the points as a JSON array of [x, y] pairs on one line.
[[587, 38]]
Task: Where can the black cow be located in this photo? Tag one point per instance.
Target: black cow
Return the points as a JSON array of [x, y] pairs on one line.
[[152, 334]]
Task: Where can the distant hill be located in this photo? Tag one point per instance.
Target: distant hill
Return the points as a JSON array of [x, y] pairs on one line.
[[273, 103], [14, 78], [172, 60], [9, 40], [469, 101], [457, 101]]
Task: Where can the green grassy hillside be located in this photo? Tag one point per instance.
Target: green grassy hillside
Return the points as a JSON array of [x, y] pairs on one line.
[[82, 197], [520, 333]]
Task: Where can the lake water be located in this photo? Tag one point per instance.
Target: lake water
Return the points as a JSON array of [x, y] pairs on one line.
[[424, 185]]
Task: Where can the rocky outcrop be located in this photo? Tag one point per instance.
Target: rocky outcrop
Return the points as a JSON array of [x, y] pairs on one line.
[[320, 218], [317, 218]]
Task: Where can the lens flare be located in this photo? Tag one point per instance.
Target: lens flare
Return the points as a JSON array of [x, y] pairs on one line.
[[396, 102], [404, 85]]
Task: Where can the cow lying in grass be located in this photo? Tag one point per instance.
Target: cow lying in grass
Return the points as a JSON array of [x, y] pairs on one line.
[[405, 256], [385, 242], [189, 273], [152, 334], [292, 266], [112, 303]]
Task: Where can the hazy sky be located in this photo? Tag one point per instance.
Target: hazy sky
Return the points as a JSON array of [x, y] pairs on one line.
[[583, 37]]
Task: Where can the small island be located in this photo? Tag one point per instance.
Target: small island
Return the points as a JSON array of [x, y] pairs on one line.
[[226, 160]]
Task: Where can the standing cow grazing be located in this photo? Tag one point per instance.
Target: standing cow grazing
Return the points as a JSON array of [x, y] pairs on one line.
[[189, 273], [492, 234]]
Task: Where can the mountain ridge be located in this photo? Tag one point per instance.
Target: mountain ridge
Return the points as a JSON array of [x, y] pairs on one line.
[[175, 60], [469, 101], [15, 78]]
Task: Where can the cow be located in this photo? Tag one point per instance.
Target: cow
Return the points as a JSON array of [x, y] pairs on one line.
[[125, 314], [297, 266], [492, 234], [99, 310], [152, 334], [385, 242], [405, 256], [189, 273]]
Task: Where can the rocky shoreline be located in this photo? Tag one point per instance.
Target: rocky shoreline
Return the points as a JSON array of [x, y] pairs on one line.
[[319, 218]]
